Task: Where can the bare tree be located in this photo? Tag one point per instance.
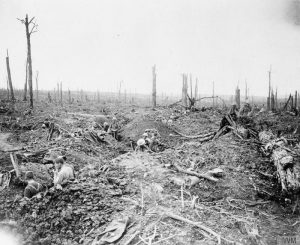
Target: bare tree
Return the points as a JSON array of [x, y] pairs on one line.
[[238, 97], [191, 85], [154, 86], [276, 100], [31, 27], [61, 93], [120, 87], [7, 87], [196, 89], [58, 93], [37, 85], [272, 101], [9, 78], [49, 97], [54, 95], [26, 79], [184, 96], [269, 92], [69, 96]]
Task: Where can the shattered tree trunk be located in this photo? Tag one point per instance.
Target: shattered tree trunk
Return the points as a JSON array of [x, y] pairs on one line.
[[54, 95], [15, 164], [37, 85], [28, 33], [69, 96], [272, 101], [9, 79], [287, 103], [154, 87], [238, 97], [196, 90], [288, 172], [119, 93], [61, 93], [184, 91], [191, 85], [276, 101], [7, 88], [296, 100], [26, 79], [49, 97], [269, 93], [58, 96]]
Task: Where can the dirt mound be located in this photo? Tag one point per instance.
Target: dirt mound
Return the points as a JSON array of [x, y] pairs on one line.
[[134, 130]]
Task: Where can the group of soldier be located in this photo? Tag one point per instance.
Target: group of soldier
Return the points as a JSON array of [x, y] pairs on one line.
[[63, 173], [149, 140]]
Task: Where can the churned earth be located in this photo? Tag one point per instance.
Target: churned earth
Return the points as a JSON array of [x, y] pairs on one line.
[[113, 182]]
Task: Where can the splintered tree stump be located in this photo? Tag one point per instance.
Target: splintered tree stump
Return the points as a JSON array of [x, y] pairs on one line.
[[288, 172], [15, 164]]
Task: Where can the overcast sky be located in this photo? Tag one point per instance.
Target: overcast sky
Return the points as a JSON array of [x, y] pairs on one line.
[[94, 44]]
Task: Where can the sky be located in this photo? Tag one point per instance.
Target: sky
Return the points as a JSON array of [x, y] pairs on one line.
[[96, 44]]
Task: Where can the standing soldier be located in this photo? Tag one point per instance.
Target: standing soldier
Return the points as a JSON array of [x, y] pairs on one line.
[[114, 128]]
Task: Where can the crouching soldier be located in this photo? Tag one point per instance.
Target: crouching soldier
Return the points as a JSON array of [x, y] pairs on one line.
[[105, 126], [114, 128], [33, 187], [63, 173]]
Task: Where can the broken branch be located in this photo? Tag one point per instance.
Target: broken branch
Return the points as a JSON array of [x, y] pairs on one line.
[[197, 224], [204, 176]]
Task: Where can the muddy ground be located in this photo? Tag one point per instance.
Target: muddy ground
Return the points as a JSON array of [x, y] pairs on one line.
[[245, 206]]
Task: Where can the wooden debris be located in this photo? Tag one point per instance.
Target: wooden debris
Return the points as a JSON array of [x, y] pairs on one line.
[[14, 162], [197, 224], [287, 172], [207, 175]]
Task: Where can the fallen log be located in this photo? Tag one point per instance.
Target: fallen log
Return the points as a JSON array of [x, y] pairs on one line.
[[13, 150], [217, 172], [208, 176], [288, 173]]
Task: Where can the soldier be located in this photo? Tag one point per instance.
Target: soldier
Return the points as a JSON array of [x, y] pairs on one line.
[[114, 127], [147, 139], [33, 187], [105, 126], [143, 143], [63, 172]]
